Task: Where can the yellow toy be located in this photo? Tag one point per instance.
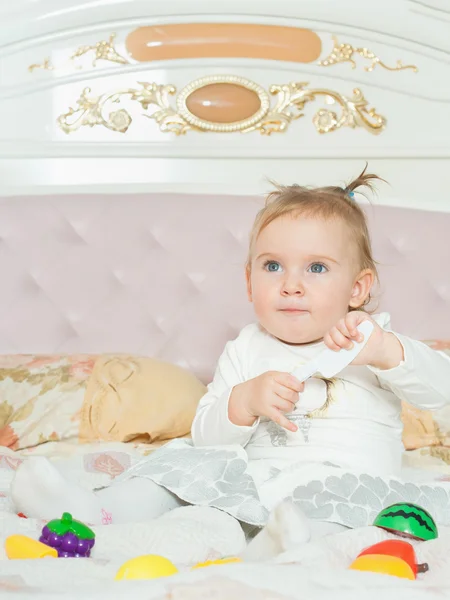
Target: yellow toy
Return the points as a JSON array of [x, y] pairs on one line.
[[391, 557], [21, 546], [387, 565], [150, 566], [220, 561]]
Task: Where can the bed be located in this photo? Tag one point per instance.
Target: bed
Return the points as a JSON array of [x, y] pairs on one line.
[[138, 142]]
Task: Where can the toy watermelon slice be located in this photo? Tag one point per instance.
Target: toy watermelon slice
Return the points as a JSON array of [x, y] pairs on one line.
[[407, 520]]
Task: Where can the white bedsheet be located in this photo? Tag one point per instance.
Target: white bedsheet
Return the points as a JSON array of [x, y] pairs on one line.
[[188, 535]]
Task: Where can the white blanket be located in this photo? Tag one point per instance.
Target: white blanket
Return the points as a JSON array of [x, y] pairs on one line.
[[316, 571]]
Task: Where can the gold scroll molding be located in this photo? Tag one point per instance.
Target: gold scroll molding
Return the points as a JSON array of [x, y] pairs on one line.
[[103, 50], [174, 117], [344, 53]]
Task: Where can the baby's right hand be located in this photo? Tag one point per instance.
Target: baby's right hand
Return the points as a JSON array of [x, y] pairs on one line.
[[270, 395]]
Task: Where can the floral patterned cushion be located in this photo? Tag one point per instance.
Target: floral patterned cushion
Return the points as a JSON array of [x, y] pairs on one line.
[[41, 396]]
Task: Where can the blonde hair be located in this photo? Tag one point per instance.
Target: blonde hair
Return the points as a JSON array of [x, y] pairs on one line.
[[324, 202]]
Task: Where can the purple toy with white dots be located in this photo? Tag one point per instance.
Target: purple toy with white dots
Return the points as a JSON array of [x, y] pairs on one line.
[[70, 538]]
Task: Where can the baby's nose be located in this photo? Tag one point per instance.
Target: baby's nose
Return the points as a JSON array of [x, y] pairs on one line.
[[293, 287]]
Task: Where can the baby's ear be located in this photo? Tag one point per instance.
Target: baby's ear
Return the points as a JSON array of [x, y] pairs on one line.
[[361, 288]]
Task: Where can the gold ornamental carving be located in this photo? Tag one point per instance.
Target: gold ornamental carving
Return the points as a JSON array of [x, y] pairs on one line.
[[345, 52], [279, 107], [103, 50]]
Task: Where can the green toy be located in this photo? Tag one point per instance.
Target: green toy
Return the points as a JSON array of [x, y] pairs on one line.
[[407, 520]]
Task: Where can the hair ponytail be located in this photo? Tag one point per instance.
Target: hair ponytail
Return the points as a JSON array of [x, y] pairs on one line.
[[364, 180]]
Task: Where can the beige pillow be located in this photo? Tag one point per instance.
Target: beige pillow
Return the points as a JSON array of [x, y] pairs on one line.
[[136, 398], [419, 428], [422, 428]]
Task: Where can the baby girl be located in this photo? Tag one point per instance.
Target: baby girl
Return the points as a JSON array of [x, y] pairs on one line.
[[310, 273]]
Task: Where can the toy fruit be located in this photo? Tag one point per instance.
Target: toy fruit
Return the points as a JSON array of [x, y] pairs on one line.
[[400, 549], [69, 537], [407, 520], [150, 566], [386, 565], [21, 546], [220, 561]]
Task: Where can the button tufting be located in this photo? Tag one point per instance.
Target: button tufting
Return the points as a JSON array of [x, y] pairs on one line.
[[197, 278], [399, 243], [443, 291]]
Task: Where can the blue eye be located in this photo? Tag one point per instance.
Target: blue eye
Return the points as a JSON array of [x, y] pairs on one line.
[[273, 266], [318, 268]]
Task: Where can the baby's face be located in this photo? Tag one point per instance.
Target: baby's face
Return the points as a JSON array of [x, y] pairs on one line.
[[303, 277]]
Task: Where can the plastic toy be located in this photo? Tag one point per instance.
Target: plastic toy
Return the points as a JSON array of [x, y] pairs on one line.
[[21, 546], [70, 538], [398, 549], [407, 520], [150, 566], [220, 561], [393, 557], [383, 564]]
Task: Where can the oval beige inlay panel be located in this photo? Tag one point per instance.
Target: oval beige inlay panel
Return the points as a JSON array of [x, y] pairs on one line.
[[223, 103], [219, 40]]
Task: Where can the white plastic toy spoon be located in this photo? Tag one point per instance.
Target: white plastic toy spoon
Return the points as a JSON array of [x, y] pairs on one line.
[[329, 363]]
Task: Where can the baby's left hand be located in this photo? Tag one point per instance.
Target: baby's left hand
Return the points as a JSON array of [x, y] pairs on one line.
[[383, 350]]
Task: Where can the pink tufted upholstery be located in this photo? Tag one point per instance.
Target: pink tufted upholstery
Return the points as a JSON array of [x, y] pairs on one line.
[[163, 274]]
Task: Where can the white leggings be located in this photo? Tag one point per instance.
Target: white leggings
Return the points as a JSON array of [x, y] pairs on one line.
[[40, 490], [136, 500]]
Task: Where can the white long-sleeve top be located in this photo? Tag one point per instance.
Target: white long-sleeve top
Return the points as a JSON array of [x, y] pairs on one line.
[[361, 429]]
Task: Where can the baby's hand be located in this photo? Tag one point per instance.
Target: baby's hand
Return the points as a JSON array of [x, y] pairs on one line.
[[383, 350], [7, 437], [270, 395]]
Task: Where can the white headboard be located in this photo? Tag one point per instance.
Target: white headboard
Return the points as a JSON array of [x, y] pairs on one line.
[[405, 139], [118, 235]]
